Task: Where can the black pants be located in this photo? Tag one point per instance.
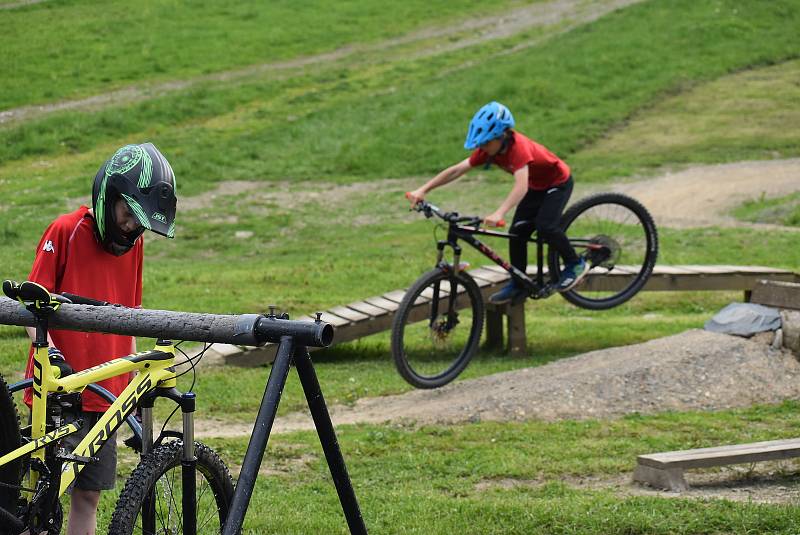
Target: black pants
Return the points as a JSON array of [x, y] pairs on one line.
[[541, 211]]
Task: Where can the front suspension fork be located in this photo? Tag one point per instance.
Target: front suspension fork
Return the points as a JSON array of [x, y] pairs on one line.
[[187, 402]]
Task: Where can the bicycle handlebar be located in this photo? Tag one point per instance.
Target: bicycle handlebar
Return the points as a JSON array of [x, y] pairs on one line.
[[451, 217]]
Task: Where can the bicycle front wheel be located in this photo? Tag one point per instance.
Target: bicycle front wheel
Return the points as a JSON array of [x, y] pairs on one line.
[[617, 237], [151, 502], [437, 328]]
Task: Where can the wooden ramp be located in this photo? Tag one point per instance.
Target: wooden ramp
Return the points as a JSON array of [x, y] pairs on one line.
[[375, 314], [665, 470]]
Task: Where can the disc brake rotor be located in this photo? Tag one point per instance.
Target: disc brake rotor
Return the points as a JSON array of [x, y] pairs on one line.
[[441, 328]]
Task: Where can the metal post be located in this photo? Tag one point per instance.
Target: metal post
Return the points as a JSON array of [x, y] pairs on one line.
[[327, 437], [259, 438]]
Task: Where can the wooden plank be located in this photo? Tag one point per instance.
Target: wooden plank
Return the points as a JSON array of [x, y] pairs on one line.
[[723, 455], [625, 270], [495, 268], [776, 294], [382, 302], [489, 275], [333, 319], [531, 270], [368, 309], [758, 269], [396, 295], [444, 291], [348, 314], [707, 269], [671, 270]]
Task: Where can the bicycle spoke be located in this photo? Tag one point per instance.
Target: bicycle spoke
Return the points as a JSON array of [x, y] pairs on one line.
[[618, 238]]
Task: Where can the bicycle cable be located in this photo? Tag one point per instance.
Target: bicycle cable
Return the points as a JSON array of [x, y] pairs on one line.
[[192, 361]]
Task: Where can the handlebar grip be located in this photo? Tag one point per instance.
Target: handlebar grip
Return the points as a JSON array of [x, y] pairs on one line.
[[80, 300], [501, 223]]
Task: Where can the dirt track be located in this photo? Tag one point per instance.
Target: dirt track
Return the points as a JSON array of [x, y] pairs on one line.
[[703, 195]]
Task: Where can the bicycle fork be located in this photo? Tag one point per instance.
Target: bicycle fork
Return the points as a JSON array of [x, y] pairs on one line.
[[187, 403]]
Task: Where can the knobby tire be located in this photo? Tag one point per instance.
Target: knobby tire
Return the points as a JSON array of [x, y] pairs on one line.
[[161, 470], [408, 314]]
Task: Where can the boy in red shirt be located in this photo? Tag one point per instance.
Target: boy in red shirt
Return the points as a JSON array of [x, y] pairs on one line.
[[542, 187], [98, 253]]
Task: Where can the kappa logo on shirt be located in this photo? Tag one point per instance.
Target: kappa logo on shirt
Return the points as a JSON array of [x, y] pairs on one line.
[[48, 247]]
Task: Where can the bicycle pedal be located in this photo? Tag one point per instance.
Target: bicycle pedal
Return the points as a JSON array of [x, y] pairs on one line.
[[78, 459]]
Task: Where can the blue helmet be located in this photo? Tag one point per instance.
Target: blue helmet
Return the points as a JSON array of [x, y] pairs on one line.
[[489, 123]]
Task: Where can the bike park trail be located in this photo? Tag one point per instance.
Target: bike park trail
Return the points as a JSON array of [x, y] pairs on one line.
[[691, 197]]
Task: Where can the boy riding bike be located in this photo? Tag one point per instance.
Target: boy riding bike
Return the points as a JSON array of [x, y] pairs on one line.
[[98, 253], [542, 187]]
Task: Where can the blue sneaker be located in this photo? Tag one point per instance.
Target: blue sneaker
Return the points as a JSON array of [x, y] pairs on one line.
[[572, 275], [510, 292]]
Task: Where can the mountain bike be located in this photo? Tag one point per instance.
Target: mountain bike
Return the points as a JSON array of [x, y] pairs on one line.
[[437, 327], [179, 486]]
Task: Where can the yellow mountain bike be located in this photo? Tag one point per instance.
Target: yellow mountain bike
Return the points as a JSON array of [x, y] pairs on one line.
[[180, 486]]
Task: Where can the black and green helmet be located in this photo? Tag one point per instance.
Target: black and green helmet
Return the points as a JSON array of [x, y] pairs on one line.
[[143, 178]]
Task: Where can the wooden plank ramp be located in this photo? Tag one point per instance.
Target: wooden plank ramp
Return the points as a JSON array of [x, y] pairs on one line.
[[665, 470], [375, 314]]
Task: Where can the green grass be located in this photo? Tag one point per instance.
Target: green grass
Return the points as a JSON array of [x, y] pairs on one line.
[[781, 210], [316, 148], [511, 477], [744, 115], [58, 50]]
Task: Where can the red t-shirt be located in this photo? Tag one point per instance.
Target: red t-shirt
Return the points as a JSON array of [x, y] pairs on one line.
[[545, 169], [70, 259]]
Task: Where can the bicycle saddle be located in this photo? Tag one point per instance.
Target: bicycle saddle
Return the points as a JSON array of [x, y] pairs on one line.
[[30, 292]]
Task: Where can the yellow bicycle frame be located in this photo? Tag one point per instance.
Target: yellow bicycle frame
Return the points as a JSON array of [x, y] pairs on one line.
[[155, 371]]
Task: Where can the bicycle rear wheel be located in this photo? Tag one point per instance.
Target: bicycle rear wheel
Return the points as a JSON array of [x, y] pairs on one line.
[[437, 328], [10, 439], [617, 237], [156, 485]]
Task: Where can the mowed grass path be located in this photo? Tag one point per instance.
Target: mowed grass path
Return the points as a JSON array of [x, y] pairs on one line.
[[59, 50]]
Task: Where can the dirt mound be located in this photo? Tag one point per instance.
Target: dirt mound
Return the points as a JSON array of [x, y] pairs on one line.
[[694, 370]]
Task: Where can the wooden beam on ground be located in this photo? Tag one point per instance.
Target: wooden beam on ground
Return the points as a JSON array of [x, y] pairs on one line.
[[665, 470]]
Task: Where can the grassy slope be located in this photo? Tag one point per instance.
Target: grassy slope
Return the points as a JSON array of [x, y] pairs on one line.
[[60, 50], [387, 462], [747, 115]]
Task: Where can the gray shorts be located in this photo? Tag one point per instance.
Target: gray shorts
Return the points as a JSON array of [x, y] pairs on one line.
[[95, 476]]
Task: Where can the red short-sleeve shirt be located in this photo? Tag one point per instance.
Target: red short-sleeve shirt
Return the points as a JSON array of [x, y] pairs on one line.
[[545, 169], [70, 259]]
